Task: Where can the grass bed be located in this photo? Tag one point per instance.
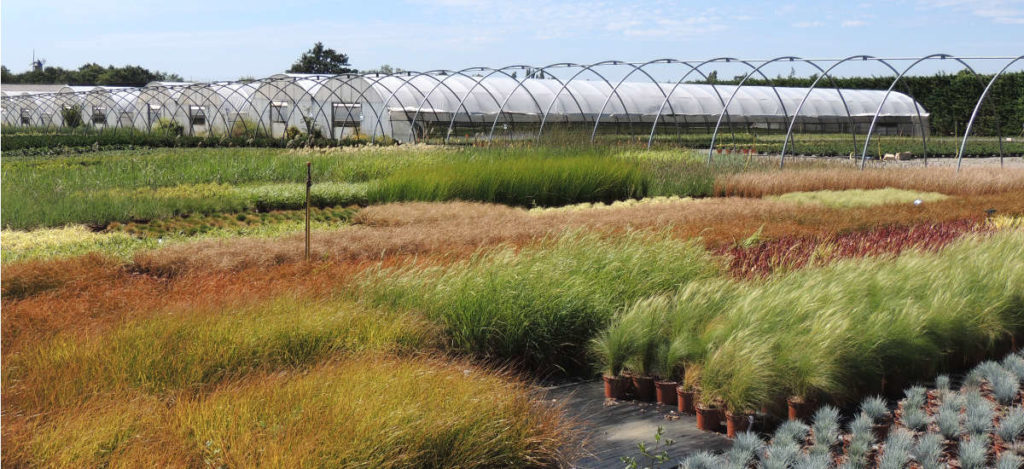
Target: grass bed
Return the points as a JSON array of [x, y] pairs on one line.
[[859, 197], [362, 411], [538, 306], [837, 331]]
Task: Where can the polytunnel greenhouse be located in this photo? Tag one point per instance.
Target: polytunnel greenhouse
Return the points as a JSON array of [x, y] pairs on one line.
[[411, 107]]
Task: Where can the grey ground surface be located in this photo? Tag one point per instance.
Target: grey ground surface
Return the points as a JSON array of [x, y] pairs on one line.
[[614, 430]]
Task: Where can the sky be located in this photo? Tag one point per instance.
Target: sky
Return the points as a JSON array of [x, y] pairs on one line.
[[224, 40]]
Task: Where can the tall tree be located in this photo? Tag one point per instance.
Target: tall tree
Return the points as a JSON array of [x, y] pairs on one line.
[[322, 60]]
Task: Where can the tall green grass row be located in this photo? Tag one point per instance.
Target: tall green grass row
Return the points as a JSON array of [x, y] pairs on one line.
[[539, 305], [838, 331]]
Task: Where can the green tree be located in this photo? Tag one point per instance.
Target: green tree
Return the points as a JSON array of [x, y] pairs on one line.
[[322, 60]]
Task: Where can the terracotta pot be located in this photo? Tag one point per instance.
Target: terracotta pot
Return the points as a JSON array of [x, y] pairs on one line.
[[800, 409], [644, 386], [736, 423], [709, 419], [666, 392], [685, 399], [615, 387]]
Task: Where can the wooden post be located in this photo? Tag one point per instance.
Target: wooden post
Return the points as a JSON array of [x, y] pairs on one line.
[[309, 183]]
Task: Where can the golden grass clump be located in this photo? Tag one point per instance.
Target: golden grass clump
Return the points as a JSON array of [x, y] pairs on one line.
[[970, 181], [362, 411]]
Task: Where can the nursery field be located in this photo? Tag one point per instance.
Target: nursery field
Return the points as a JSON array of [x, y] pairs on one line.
[[157, 309]]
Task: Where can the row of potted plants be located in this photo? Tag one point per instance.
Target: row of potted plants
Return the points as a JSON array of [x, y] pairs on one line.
[[979, 425], [840, 331]]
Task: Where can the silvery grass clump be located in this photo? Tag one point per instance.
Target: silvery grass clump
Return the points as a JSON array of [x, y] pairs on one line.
[[813, 461], [896, 452], [983, 372], [1011, 426], [861, 440], [915, 397], [746, 447], [826, 429], [928, 451], [915, 419], [875, 408], [948, 420], [791, 431], [1005, 387], [977, 414], [942, 383], [973, 453], [1008, 460], [702, 460], [780, 455], [1014, 363]]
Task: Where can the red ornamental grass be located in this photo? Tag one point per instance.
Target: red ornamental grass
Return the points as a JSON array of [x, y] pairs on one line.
[[793, 252]]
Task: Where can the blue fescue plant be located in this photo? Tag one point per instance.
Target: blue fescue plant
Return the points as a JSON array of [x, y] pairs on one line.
[[779, 455], [702, 460], [826, 429], [977, 414], [896, 452], [973, 453], [1014, 363], [745, 448], [928, 451], [1008, 460], [1011, 425], [915, 396], [791, 431], [915, 419], [1005, 387], [875, 408]]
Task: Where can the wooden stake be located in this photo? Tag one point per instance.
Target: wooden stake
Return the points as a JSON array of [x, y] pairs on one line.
[[309, 183]]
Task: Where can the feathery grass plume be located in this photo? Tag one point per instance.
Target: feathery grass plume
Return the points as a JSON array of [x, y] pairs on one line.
[[875, 408], [825, 427], [791, 432], [701, 460], [745, 448], [779, 455], [928, 451], [1014, 363], [612, 347], [740, 372], [644, 320], [672, 354], [896, 452], [1005, 386], [1008, 460], [915, 418], [977, 414], [973, 452], [1011, 425]]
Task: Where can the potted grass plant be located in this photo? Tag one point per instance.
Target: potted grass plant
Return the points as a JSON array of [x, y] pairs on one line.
[[688, 392], [709, 413], [612, 347], [670, 369], [644, 322], [741, 374]]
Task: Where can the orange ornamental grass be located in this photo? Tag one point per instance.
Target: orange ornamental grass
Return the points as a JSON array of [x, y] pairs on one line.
[[970, 181], [360, 411]]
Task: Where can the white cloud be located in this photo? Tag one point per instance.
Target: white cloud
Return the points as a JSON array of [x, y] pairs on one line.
[[808, 24], [997, 11], [853, 23]]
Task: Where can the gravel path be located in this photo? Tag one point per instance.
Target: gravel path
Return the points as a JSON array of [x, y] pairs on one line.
[[614, 429]]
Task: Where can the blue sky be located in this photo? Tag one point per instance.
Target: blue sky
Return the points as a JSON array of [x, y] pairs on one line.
[[217, 40]]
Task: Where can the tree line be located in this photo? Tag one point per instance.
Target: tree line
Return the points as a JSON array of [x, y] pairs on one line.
[[88, 74]]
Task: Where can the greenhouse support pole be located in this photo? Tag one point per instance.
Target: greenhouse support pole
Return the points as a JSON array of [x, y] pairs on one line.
[[309, 183]]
